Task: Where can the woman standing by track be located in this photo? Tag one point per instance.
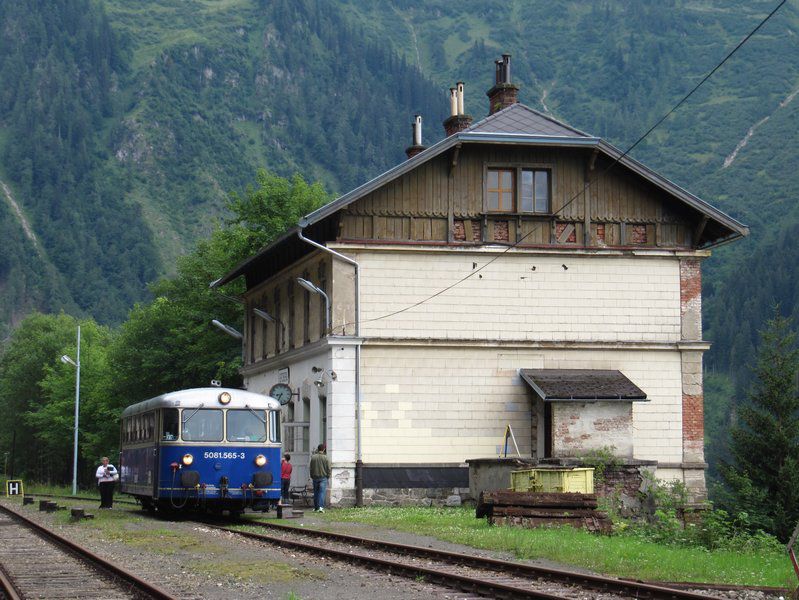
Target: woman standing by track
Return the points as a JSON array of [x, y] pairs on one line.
[[106, 476]]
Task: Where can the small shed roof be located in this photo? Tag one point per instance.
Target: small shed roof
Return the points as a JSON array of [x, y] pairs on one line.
[[581, 385]]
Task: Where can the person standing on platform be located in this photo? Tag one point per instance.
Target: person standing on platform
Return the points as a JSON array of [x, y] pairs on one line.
[[320, 473], [107, 476], [285, 478]]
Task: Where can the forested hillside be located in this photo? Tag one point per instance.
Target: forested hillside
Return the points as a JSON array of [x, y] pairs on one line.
[[124, 125]]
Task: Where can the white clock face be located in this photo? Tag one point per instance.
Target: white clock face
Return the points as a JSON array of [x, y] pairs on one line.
[[281, 392]]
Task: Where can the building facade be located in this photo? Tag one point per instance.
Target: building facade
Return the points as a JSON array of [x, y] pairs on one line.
[[517, 273]]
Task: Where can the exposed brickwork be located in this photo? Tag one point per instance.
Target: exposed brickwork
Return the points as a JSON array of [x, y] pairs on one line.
[[412, 151], [560, 228], [579, 427], [459, 232], [638, 234], [457, 123], [477, 231], [622, 485], [468, 231], [691, 298], [501, 96], [600, 233], [501, 231], [693, 426]]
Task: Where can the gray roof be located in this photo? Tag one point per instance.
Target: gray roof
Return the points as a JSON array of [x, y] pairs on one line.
[[518, 118], [581, 385], [516, 124]]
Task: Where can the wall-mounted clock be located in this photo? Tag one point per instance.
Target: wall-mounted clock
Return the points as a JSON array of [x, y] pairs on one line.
[[282, 393]]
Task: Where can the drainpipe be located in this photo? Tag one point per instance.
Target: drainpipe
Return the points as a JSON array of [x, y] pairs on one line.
[[358, 456]]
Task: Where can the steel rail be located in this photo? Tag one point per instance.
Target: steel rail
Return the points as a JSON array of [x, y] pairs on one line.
[[493, 589], [595, 582], [8, 588], [88, 556], [87, 498]]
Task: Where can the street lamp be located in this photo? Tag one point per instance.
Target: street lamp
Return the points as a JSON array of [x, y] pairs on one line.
[[227, 329], [67, 360], [264, 315], [317, 290]]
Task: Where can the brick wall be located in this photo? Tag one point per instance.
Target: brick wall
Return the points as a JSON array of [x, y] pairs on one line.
[[579, 427]]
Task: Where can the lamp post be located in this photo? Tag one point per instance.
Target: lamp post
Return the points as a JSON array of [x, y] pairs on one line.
[[67, 360], [232, 332], [317, 290]]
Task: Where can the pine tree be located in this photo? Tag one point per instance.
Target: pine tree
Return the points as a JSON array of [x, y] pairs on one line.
[[763, 480]]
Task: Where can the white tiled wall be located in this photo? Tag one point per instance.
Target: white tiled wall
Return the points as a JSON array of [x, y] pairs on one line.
[[521, 297], [448, 404]]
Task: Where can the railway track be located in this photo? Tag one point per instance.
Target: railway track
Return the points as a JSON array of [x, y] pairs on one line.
[[472, 574], [38, 563], [511, 573]]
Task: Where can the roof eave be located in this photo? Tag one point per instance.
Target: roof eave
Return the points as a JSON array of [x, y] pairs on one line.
[[737, 228], [241, 268]]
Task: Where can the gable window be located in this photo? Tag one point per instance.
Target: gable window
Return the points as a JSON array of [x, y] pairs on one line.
[[500, 190], [535, 191], [518, 190]]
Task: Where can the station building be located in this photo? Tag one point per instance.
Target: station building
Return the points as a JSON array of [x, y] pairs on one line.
[[519, 273]]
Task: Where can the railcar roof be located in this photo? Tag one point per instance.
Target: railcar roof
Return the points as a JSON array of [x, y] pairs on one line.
[[207, 397]]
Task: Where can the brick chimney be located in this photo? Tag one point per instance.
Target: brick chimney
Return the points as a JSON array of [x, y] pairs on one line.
[[417, 147], [504, 93], [457, 121]]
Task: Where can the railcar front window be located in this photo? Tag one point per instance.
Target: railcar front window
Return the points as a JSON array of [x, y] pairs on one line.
[[171, 420], [202, 425], [246, 426]]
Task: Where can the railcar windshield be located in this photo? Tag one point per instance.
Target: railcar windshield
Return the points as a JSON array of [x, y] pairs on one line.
[[170, 424], [246, 425], [202, 425]]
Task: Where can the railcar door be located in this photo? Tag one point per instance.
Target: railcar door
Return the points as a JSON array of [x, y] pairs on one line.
[[168, 432]]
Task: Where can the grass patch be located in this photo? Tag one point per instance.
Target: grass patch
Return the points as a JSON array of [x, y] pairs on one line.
[[261, 571], [618, 555]]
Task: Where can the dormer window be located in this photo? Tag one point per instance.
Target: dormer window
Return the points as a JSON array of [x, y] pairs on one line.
[[500, 190], [518, 190]]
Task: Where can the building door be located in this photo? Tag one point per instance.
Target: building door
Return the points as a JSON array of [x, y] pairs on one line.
[[547, 430]]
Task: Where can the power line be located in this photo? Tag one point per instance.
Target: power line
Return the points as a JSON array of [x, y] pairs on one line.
[[590, 183]]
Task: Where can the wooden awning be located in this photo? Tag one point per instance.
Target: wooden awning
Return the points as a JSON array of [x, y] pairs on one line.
[[581, 385]]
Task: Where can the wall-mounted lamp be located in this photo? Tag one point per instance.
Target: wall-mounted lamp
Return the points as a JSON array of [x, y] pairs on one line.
[[317, 290], [320, 382], [264, 315], [227, 329]]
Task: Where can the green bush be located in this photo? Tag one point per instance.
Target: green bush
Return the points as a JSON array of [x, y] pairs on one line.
[[716, 529]]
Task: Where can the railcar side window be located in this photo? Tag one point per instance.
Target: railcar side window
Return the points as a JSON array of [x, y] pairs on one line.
[[274, 425], [170, 424], [246, 426], [202, 425]]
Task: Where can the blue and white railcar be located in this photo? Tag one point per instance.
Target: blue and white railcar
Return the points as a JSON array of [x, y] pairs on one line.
[[206, 448]]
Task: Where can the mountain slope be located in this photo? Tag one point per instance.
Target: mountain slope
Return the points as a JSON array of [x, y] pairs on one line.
[[123, 125]]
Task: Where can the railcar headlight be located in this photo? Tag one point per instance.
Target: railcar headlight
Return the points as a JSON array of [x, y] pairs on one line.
[[188, 459], [260, 460], [224, 398]]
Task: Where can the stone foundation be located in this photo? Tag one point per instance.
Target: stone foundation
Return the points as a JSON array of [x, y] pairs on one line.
[[415, 496]]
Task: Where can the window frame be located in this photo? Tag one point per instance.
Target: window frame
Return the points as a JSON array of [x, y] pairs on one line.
[[517, 169]]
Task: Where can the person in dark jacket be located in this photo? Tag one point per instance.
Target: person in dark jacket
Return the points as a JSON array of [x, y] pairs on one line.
[[320, 473]]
